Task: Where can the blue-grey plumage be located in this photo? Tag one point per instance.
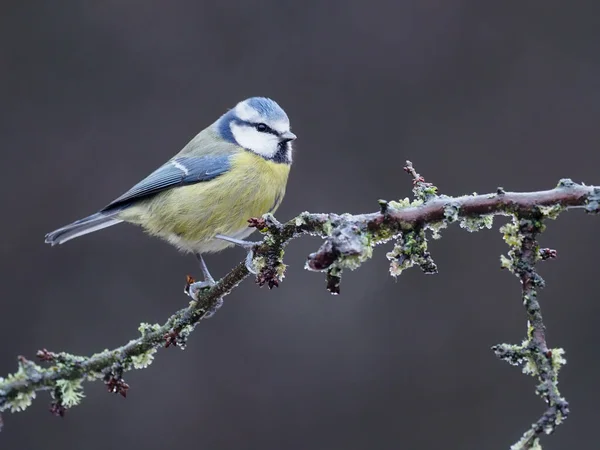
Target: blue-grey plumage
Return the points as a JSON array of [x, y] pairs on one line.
[[234, 169]]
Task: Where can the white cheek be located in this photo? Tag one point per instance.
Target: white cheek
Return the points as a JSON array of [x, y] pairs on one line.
[[264, 144]]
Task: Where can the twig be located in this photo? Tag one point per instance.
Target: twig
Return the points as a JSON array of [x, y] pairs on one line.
[[349, 241]]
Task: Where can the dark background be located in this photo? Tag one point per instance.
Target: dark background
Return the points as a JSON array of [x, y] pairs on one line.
[[95, 95]]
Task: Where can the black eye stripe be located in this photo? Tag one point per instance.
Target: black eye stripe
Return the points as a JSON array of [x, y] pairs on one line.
[[268, 129], [264, 128]]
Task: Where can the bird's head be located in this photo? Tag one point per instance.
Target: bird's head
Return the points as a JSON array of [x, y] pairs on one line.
[[259, 125]]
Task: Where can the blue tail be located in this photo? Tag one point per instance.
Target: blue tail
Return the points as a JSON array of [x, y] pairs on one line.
[[90, 224]]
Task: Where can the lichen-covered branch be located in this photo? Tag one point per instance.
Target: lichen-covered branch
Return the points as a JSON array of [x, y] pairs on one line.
[[349, 241]]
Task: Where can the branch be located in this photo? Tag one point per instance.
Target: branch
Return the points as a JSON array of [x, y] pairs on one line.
[[348, 242]]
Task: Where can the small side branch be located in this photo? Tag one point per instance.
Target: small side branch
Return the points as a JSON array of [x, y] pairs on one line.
[[533, 355]]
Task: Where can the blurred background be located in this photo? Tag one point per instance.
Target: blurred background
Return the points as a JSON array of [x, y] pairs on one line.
[[478, 94]]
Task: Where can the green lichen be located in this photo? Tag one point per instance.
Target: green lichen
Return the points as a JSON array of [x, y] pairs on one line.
[[381, 235], [71, 392], [429, 191], [473, 224], [144, 360], [399, 204], [19, 402], [552, 211], [410, 249], [506, 263], [259, 263], [558, 359], [511, 235], [23, 399], [527, 442], [280, 270], [146, 328], [405, 203], [530, 368], [327, 228]]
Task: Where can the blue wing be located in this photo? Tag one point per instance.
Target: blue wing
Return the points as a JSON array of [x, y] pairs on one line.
[[179, 171]]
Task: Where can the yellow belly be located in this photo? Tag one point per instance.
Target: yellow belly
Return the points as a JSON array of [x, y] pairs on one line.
[[190, 216]]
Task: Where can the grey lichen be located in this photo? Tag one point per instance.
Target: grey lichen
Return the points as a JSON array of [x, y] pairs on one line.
[[71, 392], [143, 360], [436, 227], [451, 211], [473, 224], [593, 201], [20, 402], [565, 183], [529, 441]]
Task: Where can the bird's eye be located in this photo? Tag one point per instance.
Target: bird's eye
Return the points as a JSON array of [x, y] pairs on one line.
[[262, 127]]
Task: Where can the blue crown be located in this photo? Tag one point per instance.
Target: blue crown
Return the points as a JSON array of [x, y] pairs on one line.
[[267, 108]]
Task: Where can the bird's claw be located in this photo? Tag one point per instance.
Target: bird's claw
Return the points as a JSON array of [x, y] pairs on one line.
[[194, 288], [250, 262]]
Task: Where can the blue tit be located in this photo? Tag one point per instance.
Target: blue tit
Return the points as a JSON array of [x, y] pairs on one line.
[[201, 199]]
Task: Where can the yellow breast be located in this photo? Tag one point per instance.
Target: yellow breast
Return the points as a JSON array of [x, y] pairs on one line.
[[190, 216]]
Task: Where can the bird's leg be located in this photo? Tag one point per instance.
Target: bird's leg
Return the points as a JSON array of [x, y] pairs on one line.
[[193, 289], [247, 245], [208, 279]]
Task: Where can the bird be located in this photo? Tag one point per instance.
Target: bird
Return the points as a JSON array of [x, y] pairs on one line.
[[200, 200]]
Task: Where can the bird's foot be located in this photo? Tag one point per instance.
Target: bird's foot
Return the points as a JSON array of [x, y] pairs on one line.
[[249, 246], [194, 288]]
